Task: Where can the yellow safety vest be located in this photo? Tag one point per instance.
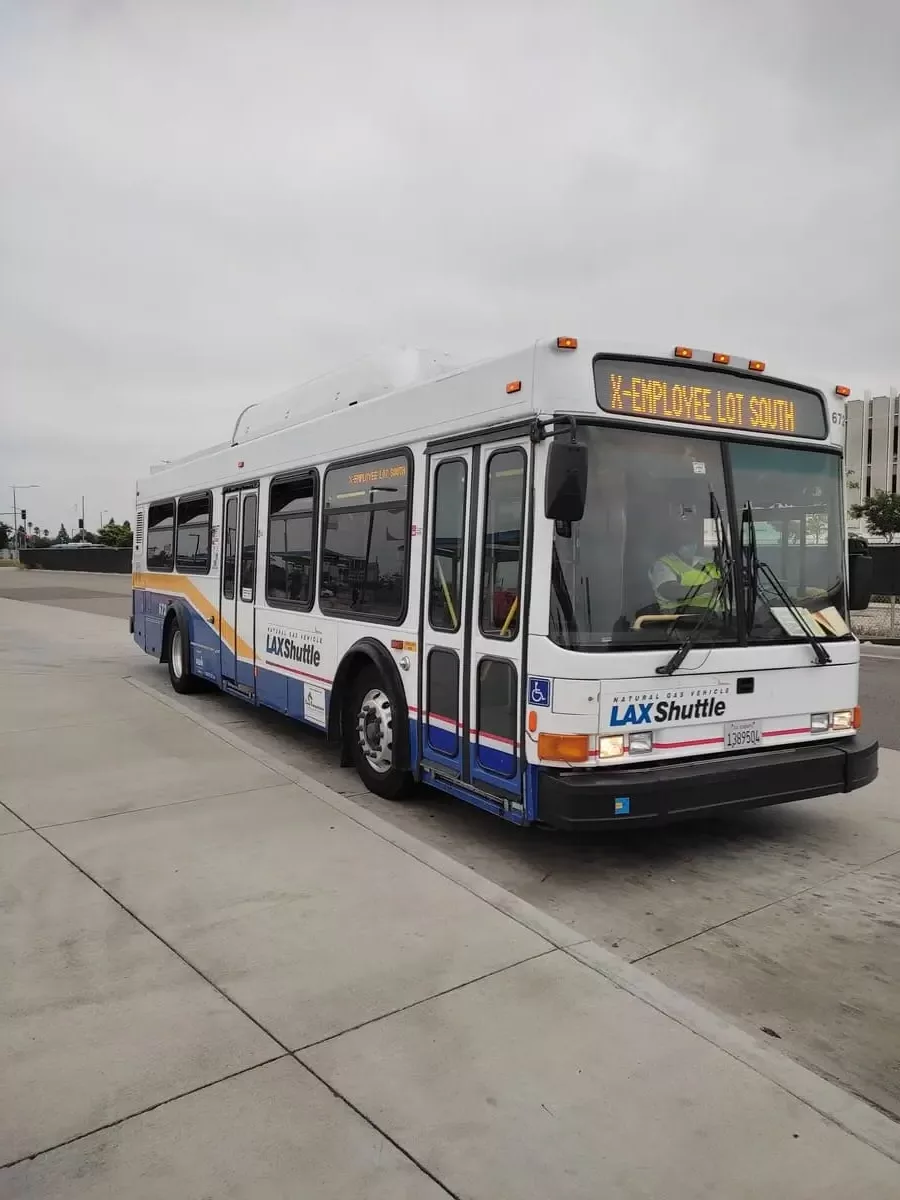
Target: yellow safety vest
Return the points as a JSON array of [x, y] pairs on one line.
[[699, 584]]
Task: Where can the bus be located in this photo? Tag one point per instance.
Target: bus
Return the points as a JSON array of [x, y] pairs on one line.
[[577, 585]]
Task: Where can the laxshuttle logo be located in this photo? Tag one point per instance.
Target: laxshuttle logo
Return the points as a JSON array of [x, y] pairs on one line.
[[295, 646], [637, 709]]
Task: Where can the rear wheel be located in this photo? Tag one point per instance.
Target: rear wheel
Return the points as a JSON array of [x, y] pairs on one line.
[[374, 736], [178, 656]]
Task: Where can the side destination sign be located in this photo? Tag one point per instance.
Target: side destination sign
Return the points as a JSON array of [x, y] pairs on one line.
[[716, 399]]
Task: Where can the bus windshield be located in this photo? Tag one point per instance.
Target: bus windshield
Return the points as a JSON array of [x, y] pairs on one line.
[[652, 560]]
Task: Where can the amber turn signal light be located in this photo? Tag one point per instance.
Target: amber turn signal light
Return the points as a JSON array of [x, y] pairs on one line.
[[563, 747]]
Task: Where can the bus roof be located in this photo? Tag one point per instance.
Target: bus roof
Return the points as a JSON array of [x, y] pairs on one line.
[[394, 397]]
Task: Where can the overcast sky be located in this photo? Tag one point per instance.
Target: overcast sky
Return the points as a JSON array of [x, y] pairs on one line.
[[205, 201]]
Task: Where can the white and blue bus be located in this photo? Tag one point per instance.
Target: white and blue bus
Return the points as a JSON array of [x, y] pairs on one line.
[[574, 585]]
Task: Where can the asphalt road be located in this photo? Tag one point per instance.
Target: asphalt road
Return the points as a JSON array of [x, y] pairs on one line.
[[785, 919], [879, 693]]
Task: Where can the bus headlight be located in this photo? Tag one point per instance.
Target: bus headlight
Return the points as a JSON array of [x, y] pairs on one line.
[[612, 746], [820, 722], [845, 719], [640, 743]]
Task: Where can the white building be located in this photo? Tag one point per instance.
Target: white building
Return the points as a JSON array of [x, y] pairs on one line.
[[873, 441]]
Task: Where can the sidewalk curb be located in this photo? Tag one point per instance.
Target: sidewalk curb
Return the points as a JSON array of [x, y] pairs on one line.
[[845, 1110]]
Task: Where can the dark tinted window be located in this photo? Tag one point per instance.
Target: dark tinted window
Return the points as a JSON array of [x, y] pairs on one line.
[[443, 698], [498, 703], [229, 553], [445, 596], [192, 542], [365, 538], [160, 536], [501, 571], [248, 548], [290, 566]]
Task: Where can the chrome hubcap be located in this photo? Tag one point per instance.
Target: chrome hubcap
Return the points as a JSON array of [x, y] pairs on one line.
[[177, 653], [375, 730]]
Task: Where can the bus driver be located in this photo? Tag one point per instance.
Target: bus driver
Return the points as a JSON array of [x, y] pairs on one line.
[[685, 577]]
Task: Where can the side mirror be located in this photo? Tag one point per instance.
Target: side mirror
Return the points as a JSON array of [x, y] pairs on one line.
[[861, 576], [565, 490]]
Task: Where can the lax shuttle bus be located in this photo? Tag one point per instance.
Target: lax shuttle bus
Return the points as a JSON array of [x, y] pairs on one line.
[[575, 585]]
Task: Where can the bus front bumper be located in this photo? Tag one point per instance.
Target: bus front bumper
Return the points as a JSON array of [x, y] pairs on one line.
[[686, 789]]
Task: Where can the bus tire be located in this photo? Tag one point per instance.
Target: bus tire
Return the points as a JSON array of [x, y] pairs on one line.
[[178, 656], [371, 712]]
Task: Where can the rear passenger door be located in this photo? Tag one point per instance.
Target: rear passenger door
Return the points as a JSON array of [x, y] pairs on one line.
[[472, 641], [237, 605]]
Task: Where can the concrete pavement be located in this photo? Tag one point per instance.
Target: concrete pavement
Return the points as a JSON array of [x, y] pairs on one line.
[[224, 978]]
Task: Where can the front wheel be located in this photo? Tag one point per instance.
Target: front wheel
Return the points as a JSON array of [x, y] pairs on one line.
[[178, 655], [374, 735]]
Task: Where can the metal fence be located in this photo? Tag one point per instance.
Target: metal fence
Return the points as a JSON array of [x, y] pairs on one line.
[[79, 558], [882, 618]]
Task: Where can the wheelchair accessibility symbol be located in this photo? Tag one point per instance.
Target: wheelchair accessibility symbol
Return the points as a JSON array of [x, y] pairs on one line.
[[538, 692]]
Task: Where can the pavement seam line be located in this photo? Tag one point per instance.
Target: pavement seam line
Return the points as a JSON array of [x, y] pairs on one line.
[[140, 1112], [368, 1120], [750, 912], [851, 1114], [244, 1012], [127, 812], [404, 1008], [761, 1059], [14, 733], [464, 877]]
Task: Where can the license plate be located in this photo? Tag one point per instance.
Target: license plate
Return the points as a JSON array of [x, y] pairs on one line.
[[742, 735]]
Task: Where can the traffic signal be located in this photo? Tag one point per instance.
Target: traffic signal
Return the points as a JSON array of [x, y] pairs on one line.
[[81, 522], [24, 514]]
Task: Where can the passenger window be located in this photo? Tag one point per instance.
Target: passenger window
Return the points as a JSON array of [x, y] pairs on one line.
[[447, 532], [161, 536], [229, 555], [248, 548], [365, 552], [497, 715], [289, 571], [443, 701], [501, 571], [192, 541]]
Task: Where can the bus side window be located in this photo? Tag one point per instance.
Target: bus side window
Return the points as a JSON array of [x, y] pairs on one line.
[[248, 548], [501, 567], [445, 596], [229, 556], [161, 536], [192, 536], [289, 569]]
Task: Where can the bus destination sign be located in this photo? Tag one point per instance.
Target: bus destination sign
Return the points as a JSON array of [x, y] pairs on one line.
[[716, 399]]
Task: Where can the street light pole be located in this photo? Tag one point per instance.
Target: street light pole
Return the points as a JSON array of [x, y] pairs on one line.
[[20, 487]]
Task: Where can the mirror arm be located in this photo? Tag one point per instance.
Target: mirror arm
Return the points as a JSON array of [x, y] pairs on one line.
[[551, 428]]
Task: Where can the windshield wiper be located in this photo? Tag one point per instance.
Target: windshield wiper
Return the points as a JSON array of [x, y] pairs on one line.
[[755, 568], [724, 565]]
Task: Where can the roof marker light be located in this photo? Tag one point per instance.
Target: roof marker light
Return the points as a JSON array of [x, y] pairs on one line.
[[756, 364], [683, 352], [514, 385], [840, 390], [566, 343], [723, 359]]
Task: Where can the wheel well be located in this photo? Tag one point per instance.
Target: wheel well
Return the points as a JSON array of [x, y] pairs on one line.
[[171, 617], [368, 653]]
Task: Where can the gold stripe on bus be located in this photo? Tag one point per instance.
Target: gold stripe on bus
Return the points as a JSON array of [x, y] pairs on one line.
[[171, 584]]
